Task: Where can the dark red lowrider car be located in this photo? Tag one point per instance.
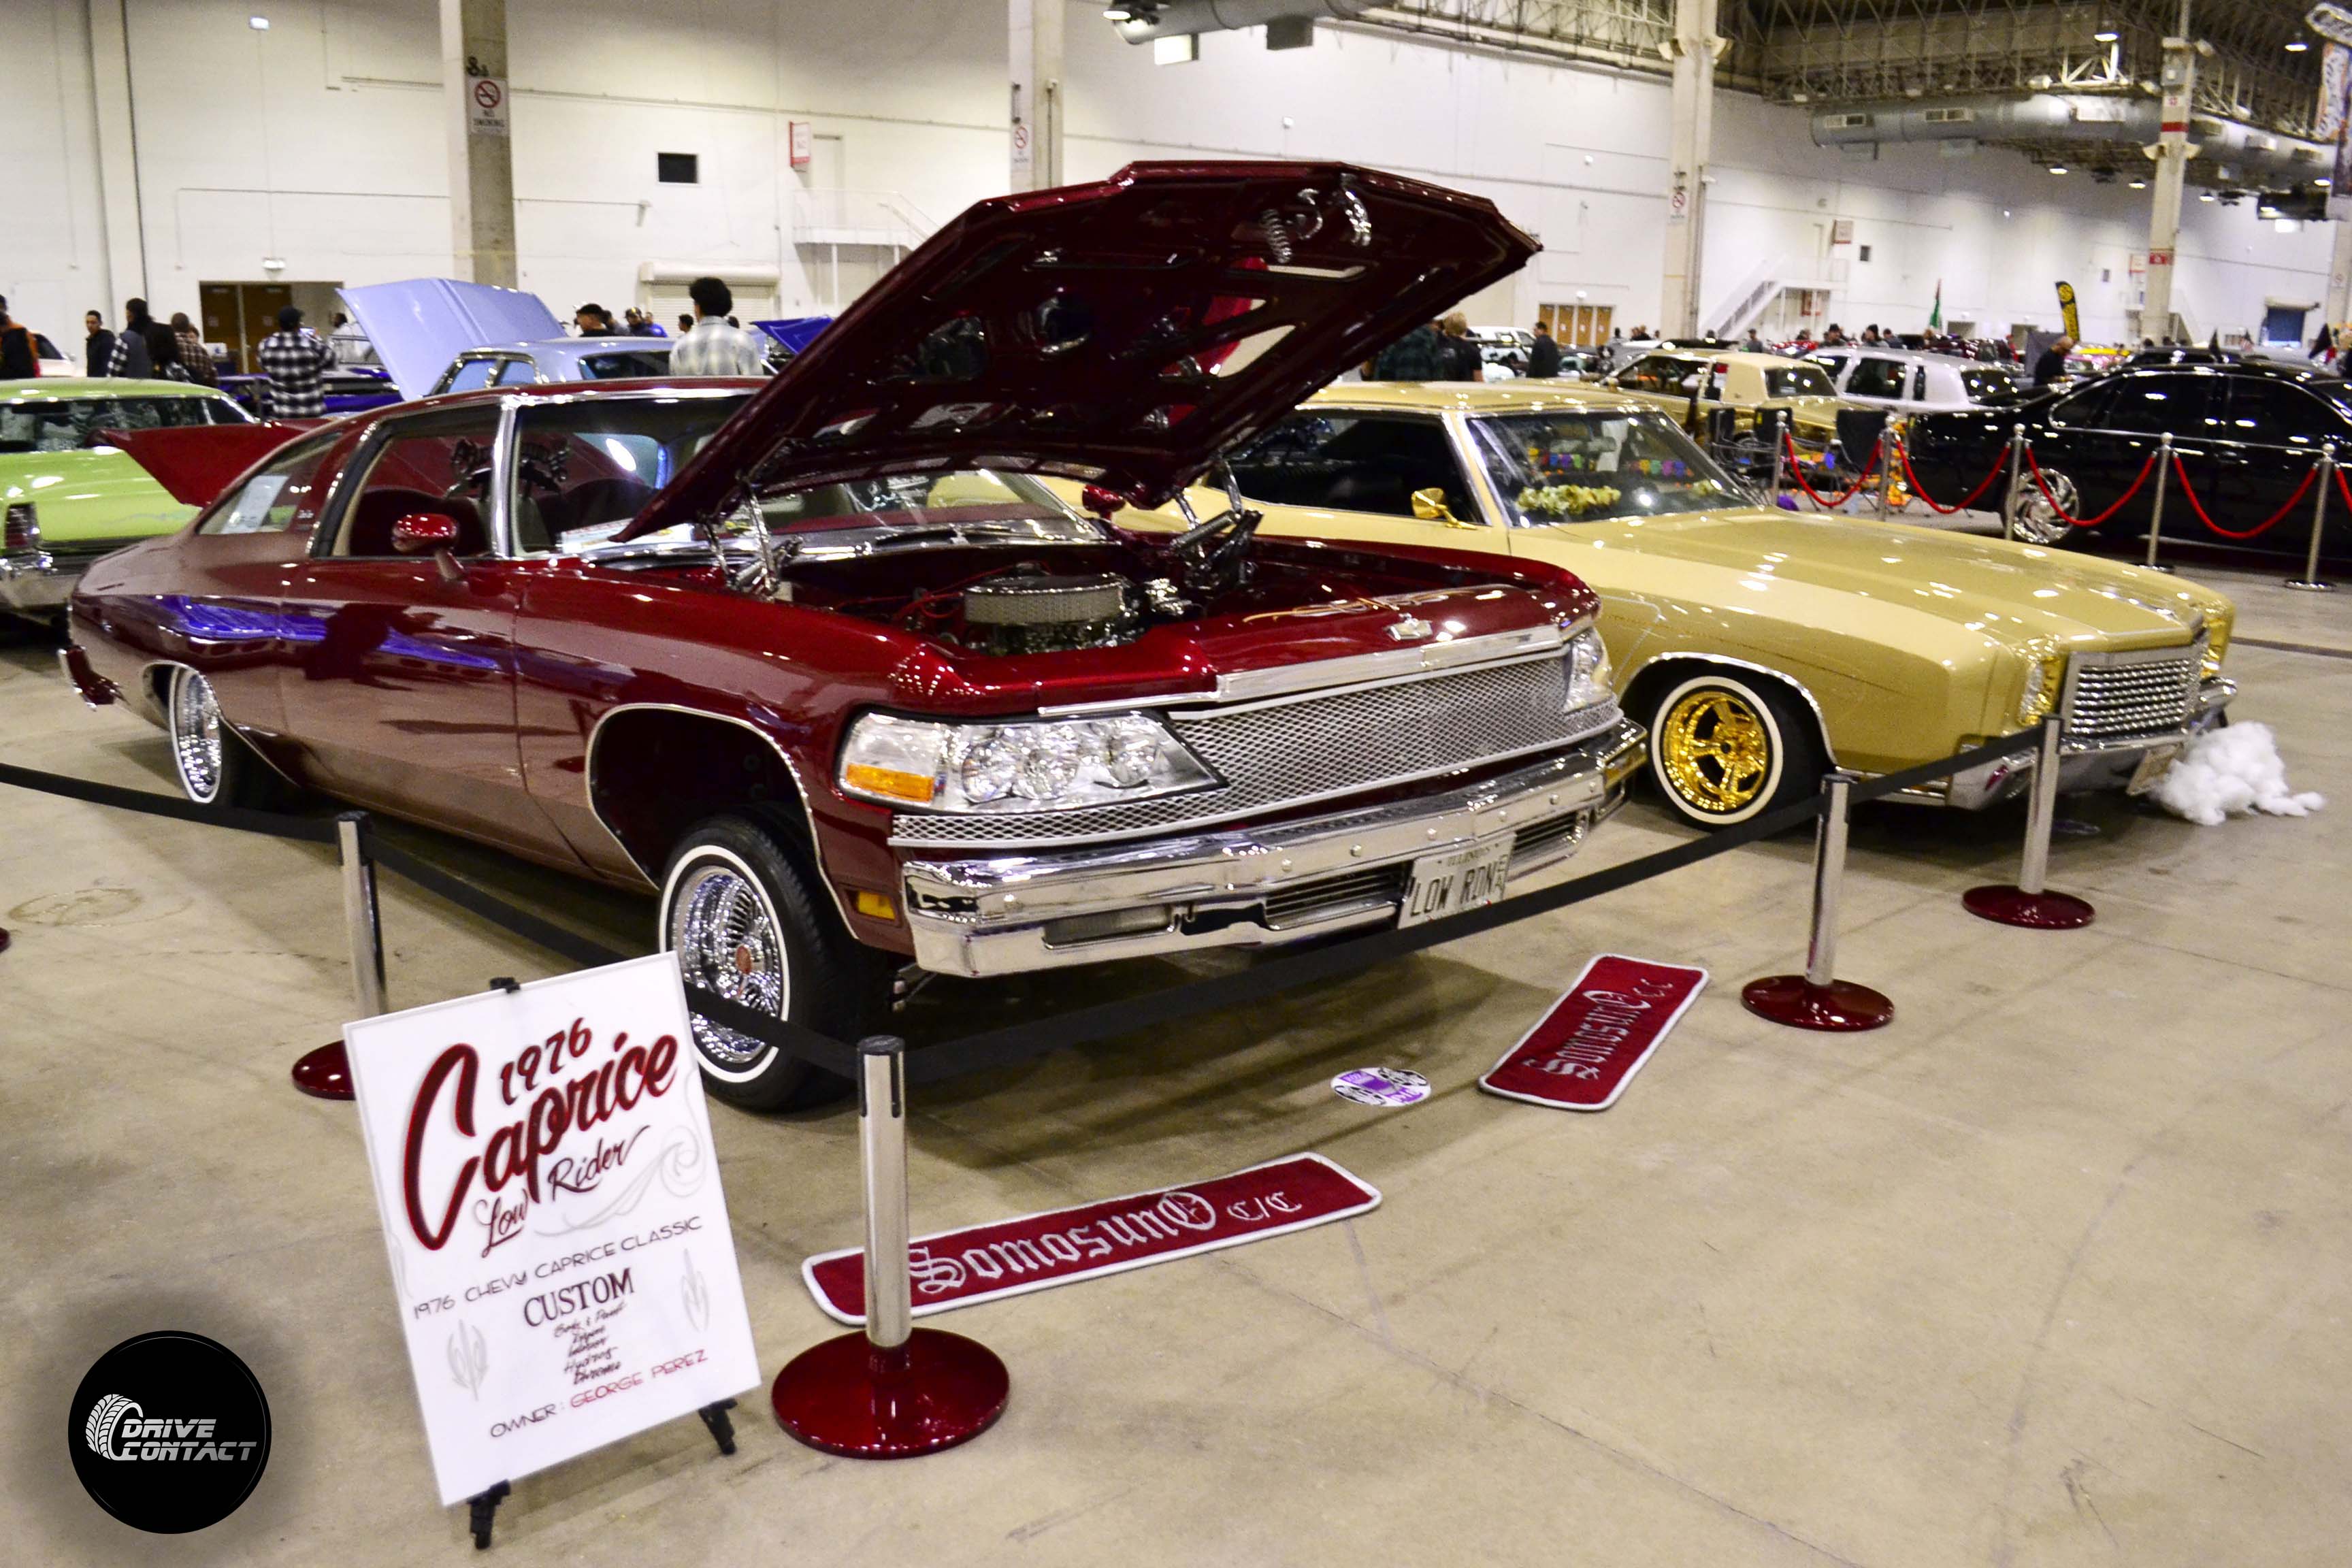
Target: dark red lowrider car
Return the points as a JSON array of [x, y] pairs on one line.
[[824, 663]]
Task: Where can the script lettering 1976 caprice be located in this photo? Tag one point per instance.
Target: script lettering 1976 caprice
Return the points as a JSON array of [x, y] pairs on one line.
[[824, 663]]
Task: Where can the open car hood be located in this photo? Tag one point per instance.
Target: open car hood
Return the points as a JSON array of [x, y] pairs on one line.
[[195, 462], [1123, 334], [420, 324]]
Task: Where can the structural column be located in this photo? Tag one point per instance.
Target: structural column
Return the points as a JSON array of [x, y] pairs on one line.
[[2338, 305], [2172, 153], [1690, 146], [118, 157], [474, 89], [1034, 30]]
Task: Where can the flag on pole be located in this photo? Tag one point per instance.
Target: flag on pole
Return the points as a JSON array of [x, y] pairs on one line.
[[1935, 312]]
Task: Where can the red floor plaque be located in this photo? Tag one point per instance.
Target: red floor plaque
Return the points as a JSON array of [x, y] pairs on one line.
[[1038, 1251], [1582, 1054]]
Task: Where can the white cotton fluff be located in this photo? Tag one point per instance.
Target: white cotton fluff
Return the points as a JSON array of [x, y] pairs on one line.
[[2231, 769]]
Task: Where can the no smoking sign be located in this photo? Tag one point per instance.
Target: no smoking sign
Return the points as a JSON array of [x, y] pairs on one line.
[[486, 107]]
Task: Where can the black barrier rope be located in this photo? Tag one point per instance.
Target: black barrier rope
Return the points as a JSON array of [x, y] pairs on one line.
[[1016, 1043], [277, 825]]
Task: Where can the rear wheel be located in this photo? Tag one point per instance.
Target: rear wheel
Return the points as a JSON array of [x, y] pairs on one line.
[[1725, 748], [2038, 522], [749, 922], [215, 765]]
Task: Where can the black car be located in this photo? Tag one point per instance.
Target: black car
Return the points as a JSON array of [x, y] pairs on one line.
[[2247, 434]]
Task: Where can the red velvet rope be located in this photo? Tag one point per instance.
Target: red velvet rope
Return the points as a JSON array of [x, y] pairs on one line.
[[2343, 489], [1933, 505], [1796, 472], [2044, 486], [2263, 527]]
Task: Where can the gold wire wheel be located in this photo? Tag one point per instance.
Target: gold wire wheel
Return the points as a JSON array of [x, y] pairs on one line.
[[1716, 750]]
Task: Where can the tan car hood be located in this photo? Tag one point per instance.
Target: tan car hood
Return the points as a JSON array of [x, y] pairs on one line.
[[2010, 592]]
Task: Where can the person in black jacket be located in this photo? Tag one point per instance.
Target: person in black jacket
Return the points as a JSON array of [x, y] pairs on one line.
[[98, 349], [1461, 360], [2051, 368], [19, 360], [1543, 359]]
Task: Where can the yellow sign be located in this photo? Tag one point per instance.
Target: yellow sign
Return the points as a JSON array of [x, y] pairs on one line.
[[2072, 322]]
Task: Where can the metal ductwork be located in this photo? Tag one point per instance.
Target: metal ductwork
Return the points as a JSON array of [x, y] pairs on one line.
[[2230, 154], [1145, 20]]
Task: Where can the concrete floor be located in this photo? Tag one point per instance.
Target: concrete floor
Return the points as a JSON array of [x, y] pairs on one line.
[[2054, 1270]]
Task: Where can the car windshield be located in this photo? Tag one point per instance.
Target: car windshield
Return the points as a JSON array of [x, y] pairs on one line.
[[1554, 469], [1990, 384], [1797, 381], [36, 425], [624, 364]]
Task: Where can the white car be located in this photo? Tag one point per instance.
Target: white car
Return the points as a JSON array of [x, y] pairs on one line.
[[1909, 380]]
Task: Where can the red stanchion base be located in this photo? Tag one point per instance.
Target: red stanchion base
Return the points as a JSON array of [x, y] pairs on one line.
[[846, 1397], [325, 1072], [2013, 906], [1840, 1006]]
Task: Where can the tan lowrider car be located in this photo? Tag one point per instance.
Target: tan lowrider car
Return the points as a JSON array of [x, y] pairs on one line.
[[1759, 645], [1739, 381]]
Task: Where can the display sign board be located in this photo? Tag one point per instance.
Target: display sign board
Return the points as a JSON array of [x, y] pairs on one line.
[[543, 1163], [802, 144], [486, 106], [1588, 1045], [1035, 1252]]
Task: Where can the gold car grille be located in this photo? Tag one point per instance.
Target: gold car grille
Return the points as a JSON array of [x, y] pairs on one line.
[[2112, 697], [1277, 755]]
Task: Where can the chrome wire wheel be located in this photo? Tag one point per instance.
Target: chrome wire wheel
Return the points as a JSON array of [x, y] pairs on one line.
[[197, 742], [2038, 522], [727, 940]]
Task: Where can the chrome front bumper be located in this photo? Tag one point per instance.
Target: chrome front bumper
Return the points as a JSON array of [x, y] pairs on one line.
[[34, 583], [2131, 761], [1262, 887]]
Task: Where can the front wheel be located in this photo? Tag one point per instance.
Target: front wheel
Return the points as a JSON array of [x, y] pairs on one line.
[[216, 767], [2038, 522], [1725, 748], [747, 921]]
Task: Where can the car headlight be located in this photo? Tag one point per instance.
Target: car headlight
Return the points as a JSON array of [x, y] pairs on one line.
[[2043, 680], [1588, 672], [1029, 766]]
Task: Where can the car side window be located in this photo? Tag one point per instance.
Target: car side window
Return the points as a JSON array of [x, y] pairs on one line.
[[1833, 364], [1918, 384], [1876, 377], [271, 499], [1355, 462], [431, 463], [469, 376], [2153, 404], [2271, 414], [2084, 410], [517, 373]]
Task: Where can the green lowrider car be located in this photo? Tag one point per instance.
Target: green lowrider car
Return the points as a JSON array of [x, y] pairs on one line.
[[65, 497]]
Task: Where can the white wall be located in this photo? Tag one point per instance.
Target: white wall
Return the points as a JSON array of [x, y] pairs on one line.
[[318, 142]]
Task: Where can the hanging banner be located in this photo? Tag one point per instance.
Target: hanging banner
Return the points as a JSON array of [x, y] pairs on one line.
[[1035, 1252], [1587, 1047], [2070, 320], [560, 1249], [2335, 81]]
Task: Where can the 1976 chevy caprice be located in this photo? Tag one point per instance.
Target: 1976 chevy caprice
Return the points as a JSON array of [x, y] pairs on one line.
[[821, 662]]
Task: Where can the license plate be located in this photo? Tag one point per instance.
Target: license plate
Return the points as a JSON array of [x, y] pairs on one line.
[[1456, 880], [2151, 768]]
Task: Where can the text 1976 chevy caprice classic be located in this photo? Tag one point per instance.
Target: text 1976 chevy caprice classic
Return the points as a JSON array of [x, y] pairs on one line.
[[825, 665]]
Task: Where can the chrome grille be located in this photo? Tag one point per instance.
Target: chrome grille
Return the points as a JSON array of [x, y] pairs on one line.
[[1337, 895], [2112, 697], [1291, 751]]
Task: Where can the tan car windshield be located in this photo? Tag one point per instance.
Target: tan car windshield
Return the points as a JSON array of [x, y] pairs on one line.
[[1553, 468]]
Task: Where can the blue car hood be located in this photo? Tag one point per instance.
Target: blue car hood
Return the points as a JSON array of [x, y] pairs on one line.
[[418, 326]]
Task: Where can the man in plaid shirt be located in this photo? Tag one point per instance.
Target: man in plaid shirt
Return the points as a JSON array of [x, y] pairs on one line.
[[713, 347], [292, 356]]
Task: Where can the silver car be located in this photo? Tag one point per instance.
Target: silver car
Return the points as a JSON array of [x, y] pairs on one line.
[[1911, 380]]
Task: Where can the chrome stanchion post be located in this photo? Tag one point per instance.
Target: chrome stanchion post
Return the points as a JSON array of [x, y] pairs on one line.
[[1817, 999], [882, 1142], [2310, 582], [895, 1389], [2029, 902], [327, 1071], [1780, 445], [2009, 496], [2156, 508]]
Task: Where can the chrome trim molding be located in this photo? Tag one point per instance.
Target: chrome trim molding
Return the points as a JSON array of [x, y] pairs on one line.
[[989, 917]]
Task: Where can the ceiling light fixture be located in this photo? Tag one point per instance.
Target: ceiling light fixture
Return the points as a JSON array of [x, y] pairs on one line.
[[2139, 184], [2057, 168], [2106, 36], [259, 24], [2296, 45]]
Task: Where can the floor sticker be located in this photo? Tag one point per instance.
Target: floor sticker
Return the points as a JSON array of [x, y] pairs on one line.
[[1583, 1052], [1038, 1251], [1381, 1085]]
